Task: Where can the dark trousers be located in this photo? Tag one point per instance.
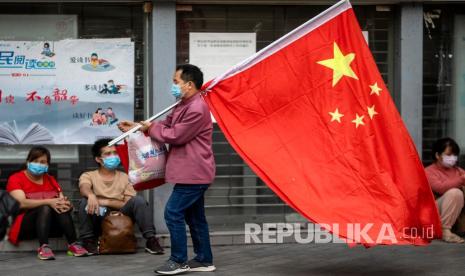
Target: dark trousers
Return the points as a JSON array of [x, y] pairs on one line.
[[186, 205], [136, 208], [44, 222]]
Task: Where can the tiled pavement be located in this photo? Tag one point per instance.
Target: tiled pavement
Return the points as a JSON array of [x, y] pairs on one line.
[[272, 259]]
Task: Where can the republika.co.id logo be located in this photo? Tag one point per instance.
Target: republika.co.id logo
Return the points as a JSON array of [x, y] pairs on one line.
[[366, 233]]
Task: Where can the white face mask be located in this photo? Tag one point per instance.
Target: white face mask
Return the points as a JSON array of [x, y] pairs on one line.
[[449, 160]]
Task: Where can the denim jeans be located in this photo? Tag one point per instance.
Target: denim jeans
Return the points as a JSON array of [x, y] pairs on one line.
[[186, 205]]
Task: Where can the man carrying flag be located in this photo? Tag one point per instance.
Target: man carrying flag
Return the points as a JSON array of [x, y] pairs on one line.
[[313, 118], [190, 166]]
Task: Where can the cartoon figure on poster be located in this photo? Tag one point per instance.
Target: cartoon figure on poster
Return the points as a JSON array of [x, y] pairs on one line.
[[103, 118], [97, 64], [111, 88], [46, 51]]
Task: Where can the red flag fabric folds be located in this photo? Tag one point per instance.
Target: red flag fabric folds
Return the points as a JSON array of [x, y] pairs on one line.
[[313, 118]]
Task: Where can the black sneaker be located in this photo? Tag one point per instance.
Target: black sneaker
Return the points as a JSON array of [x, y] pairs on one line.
[[172, 268], [153, 247], [91, 247], [196, 266]]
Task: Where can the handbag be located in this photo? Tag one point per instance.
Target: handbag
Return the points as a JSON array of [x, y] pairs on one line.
[[117, 234]]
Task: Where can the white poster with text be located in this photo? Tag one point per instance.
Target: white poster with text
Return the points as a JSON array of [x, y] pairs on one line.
[[64, 92]]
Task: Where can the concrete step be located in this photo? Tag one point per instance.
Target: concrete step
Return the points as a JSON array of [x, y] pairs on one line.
[[222, 238]]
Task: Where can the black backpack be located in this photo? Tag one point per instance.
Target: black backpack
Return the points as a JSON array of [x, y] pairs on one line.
[[9, 207]]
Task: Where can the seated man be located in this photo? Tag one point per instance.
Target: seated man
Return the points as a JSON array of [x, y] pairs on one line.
[[110, 188]]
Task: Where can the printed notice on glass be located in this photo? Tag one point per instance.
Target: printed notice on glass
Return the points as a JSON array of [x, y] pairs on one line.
[[215, 53]]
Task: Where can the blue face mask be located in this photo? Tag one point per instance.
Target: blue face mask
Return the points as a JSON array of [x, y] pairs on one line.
[[37, 168], [176, 91], [111, 162]]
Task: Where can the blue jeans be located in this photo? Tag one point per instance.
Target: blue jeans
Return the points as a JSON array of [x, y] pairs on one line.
[[186, 205]]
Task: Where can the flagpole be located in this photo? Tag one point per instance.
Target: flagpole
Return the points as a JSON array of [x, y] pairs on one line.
[[241, 65], [136, 128]]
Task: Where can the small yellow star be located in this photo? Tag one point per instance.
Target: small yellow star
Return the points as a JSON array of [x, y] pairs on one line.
[[372, 112], [336, 116], [375, 89], [340, 64], [358, 120]]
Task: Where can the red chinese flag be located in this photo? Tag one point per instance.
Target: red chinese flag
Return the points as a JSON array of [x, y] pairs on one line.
[[313, 118]]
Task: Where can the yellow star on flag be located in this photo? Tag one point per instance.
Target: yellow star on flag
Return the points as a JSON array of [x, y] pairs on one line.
[[358, 120], [340, 64], [375, 89], [336, 116], [372, 112]]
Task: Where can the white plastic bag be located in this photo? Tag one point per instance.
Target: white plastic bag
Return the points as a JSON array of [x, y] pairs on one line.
[[147, 158]]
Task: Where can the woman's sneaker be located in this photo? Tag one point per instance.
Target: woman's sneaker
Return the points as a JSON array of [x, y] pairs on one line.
[[45, 253], [172, 268], [76, 250], [196, 266]]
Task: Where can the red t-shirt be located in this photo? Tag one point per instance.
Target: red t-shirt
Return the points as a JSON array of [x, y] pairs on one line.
[[19, 181]]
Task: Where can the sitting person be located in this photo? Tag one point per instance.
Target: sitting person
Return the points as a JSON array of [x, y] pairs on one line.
[[9, 208], [110, 188], [45, 211], [446, 180]]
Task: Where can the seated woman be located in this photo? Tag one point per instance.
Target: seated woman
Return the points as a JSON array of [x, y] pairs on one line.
[[446, 180], [45, 211]]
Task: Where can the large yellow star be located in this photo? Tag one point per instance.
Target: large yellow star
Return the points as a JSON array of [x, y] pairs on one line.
[[371, 111], [358, 121], [340, 64], [375, 89], [336, 116]]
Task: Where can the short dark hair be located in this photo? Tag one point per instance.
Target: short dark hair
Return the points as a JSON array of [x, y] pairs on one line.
[[191, 73], [442, 144], [36, 152], [46, 44], [99, 145]]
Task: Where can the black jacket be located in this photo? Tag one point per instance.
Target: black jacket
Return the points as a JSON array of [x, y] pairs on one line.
[[9, 207]]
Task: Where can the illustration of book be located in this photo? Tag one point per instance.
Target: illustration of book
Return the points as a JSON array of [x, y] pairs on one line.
[[34, 134]]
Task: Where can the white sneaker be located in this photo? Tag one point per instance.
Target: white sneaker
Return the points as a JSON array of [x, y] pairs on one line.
[[172, 268], [196, 266]]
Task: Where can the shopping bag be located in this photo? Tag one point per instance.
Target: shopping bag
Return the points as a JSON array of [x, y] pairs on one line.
[[144, 160]]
